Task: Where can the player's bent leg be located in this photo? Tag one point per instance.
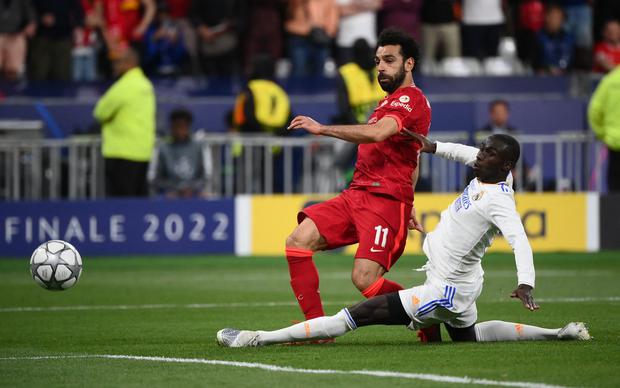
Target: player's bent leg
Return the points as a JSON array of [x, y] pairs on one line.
[[367, 276], [380, 310], [462, 334], [507, 331], [300, 246]]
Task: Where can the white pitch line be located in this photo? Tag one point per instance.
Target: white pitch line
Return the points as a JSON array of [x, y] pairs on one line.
[[289, 369], [250, 305]]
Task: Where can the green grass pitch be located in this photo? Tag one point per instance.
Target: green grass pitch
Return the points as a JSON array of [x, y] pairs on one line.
[[172, 307]]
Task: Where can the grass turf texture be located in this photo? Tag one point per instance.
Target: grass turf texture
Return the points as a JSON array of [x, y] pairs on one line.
[[179, 331]]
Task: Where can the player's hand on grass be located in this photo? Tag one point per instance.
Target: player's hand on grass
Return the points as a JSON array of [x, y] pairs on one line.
[[427, 145], [414, 223], [524, 293], [307, 123]]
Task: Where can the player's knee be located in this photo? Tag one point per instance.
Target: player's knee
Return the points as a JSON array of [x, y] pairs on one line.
[[362, 279], [295, 241]]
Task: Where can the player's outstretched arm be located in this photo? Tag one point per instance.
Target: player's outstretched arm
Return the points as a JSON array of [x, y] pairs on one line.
[[428, 145], [359, 134], [524, 293]]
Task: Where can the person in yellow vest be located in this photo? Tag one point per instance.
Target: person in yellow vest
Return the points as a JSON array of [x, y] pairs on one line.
[[604, 118], [358, 94], [126, 113], [263, 106]]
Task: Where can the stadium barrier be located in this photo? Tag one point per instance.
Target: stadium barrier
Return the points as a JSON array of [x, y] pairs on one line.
[[259, 225], [39, 169]]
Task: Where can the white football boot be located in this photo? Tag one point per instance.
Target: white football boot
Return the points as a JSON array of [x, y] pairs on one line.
[[233, 338], [574, 331]]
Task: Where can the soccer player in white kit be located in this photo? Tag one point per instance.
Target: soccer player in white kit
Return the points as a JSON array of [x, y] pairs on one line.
[[454, 274]]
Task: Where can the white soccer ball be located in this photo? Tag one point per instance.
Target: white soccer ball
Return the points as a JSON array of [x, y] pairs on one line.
[[56, 265]]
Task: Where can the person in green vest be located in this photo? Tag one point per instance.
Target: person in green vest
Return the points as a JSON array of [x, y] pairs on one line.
[[358, 93], [604, 118], [126, 113]]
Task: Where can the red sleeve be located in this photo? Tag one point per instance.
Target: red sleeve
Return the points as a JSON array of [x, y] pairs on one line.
[[410, 109]]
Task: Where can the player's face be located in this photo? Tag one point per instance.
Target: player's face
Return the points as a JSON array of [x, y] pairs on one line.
[[391, 67], [490, 165]]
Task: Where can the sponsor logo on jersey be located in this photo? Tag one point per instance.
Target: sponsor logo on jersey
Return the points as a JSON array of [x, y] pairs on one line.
[[404, 99], [463, 201], [398, 104]]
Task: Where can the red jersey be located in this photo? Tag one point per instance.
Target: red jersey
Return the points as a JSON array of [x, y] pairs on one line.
[[386, 167], [611, 52]]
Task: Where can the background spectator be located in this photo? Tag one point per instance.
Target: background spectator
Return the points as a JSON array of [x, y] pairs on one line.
[[579, 23], [126, 113], [607, 52], [17, 23], [483, 21], [179, 13], [604, 10], [180, 162], [310, 26], [604, 118], [440, 30], [499, 115], [358, 19], [264, 29], [126, 21], [404, 14], [85, 41], [530, 19], [164, 48], [555, 46], [50, 49], [218, 39]]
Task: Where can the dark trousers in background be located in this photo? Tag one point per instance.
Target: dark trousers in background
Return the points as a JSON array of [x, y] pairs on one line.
[[125, 178], [481, 41], [613, 172], [50, 59]]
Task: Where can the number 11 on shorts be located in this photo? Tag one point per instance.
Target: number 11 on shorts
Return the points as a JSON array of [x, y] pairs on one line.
[[381, 231]]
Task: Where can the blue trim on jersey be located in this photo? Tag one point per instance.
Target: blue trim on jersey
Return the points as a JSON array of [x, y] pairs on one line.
[[447, 302], [350, 319]]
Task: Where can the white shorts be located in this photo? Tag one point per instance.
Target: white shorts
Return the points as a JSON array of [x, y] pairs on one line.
[[434, 303]]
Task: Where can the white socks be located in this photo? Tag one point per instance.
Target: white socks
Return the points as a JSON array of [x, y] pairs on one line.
[[317, 328], [508, 331]]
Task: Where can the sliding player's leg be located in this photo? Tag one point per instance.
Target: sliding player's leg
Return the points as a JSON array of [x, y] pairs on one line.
[[491, 331], [381, 310]]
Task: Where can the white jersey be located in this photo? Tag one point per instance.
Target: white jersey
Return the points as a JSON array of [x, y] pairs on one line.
[[468, 226]]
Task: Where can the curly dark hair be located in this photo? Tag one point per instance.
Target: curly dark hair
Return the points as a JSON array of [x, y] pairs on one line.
[[408, 46]]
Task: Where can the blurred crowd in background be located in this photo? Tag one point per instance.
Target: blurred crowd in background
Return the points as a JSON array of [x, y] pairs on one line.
[[78, 39]]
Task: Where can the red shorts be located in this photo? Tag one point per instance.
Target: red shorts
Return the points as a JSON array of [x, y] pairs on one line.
[[378, 223]]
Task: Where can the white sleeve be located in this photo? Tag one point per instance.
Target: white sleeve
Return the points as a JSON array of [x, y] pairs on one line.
[[457, 152], [503, 214]]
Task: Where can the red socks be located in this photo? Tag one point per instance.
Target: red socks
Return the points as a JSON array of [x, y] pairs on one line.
[[381, 286], [305, 282]]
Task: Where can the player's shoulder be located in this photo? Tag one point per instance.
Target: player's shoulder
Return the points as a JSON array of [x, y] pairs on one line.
[[408, 93]]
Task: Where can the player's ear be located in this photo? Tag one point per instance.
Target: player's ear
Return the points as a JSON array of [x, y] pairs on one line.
[[508, 165], [409, 64]]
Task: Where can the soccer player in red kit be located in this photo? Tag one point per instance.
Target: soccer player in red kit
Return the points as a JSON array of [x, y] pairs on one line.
[[377, 208]]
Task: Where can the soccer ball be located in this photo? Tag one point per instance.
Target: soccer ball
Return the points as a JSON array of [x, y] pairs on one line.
[[56, 265]]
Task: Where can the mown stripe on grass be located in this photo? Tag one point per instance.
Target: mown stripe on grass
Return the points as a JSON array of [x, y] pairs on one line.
[[250, 305], [277, 368]]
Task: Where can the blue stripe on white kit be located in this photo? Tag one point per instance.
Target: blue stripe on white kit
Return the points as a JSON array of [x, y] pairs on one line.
[[446, 302]]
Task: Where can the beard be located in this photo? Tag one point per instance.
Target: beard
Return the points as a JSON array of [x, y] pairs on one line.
[[389, 84]]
